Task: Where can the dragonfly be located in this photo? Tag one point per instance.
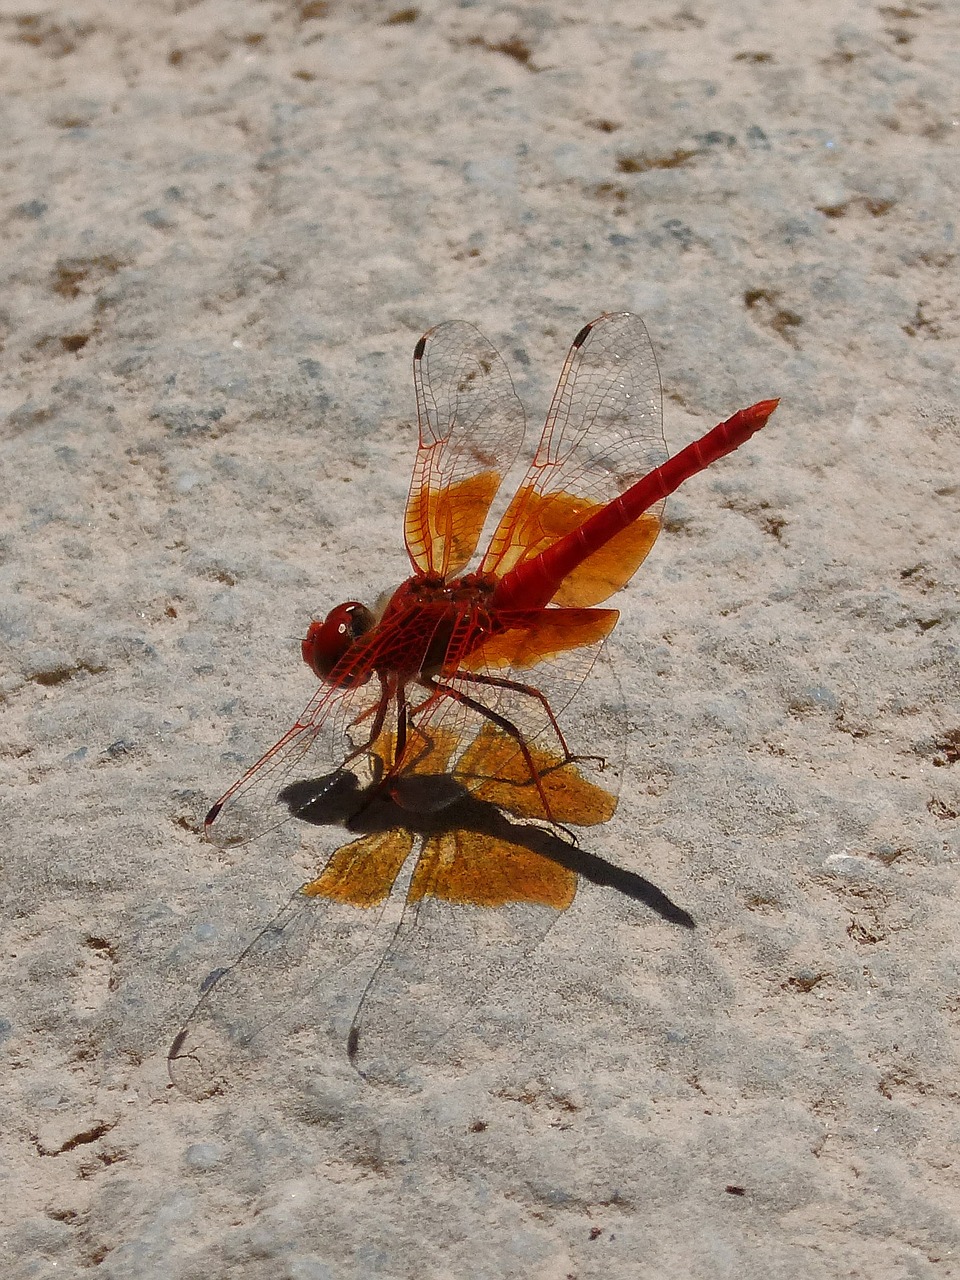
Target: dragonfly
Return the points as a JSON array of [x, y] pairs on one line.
[[451, 688]]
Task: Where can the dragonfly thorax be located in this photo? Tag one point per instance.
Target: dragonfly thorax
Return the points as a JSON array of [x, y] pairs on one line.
[[427, 619]]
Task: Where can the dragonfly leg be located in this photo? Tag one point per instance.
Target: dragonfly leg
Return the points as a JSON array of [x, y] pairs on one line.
[[403, 720], [406, 718], [508, 727], [500, 682], [379, 719]]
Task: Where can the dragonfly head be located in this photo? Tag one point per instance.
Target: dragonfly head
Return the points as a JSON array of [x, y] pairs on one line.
[[329, 641]]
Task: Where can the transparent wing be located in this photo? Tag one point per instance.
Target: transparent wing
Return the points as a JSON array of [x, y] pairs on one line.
[[323, 736], [604, 432], [471, 429]]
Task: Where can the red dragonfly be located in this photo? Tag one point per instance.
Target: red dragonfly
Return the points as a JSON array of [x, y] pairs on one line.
[[454, 681]]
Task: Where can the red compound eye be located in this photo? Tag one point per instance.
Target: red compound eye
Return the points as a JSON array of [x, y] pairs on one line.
[[329, 641]]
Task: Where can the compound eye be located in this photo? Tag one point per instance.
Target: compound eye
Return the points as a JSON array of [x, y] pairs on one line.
[[328, 642]]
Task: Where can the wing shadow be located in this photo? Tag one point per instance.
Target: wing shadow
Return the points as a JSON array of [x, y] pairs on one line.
[[440, 805]]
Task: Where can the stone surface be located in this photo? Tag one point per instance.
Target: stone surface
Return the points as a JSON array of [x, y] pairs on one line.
[[225, 226]]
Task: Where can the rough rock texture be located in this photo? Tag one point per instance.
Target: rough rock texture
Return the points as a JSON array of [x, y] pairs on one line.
[[225, 224]]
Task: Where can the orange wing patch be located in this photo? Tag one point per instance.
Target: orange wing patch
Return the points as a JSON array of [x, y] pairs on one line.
[[535, 521], [363, 872], [611, 566], [471, 868], [466, 866], [442, 526], [494, 760], [539, 635], [532, 522]]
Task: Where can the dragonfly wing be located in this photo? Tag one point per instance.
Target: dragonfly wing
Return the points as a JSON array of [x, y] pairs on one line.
[[471, 429], [486, 888], [325, 733], [604, 431], [483, 893], [280, 998]]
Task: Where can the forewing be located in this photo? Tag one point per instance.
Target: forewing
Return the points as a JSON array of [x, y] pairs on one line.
[[316, 744], [471, 429], [604, 432]]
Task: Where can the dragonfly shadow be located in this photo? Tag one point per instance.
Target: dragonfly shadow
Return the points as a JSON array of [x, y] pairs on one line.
[[439, 805], [474, 855]]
